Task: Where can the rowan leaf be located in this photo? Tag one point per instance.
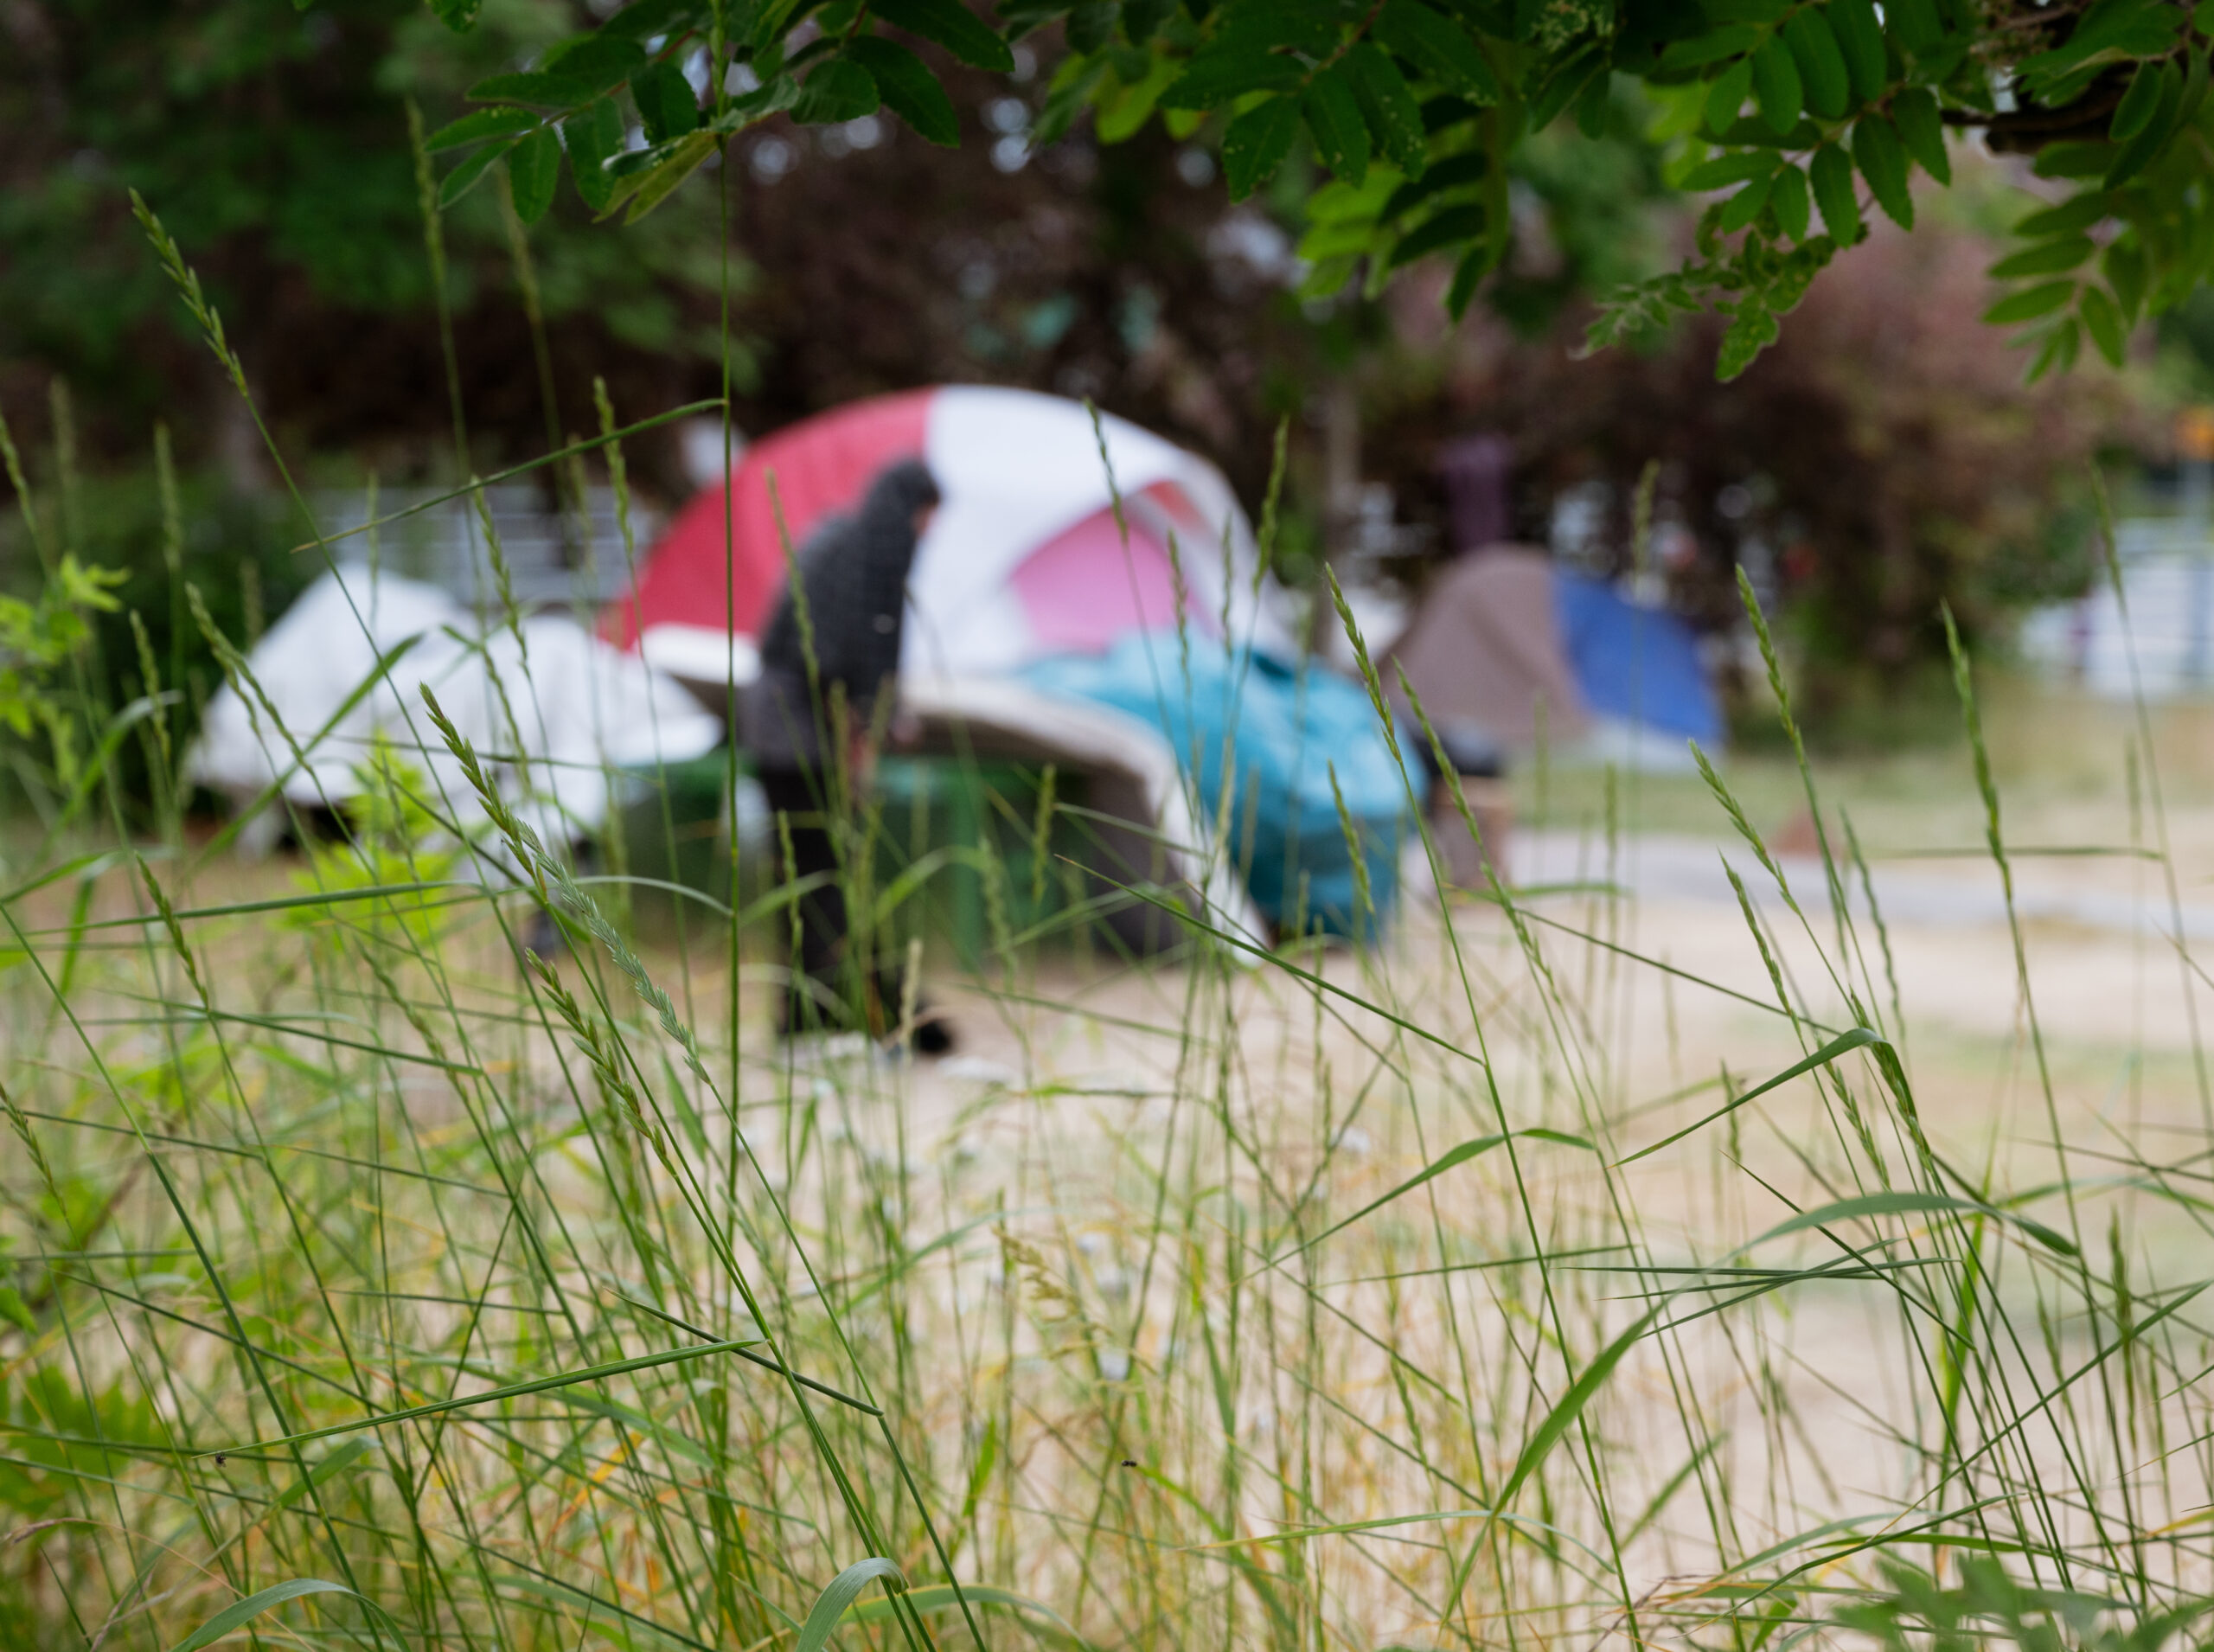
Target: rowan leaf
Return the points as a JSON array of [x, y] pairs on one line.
[[1831, 173], [507, 122], [1821, 64], [2062, 346], [1439, 47], [2139, 104], [2046, 257], [1914, 111], [838, 89], [1788, 199], [1388, 105], [2030, 303], [1449, 228], [668, 106], [471, 173], [1333, 117], [1752, 330], [2123, 265], [908, 87], [543, 87], [1744, 207], [534, 170], [1256, 143], [1776, 88], [685, 158], [1916, 25], [1726, 97], [1723, 171], [952, 25], [2102, 320], [594, 136], [1860, 39], [1882, 161], [2079, 213]]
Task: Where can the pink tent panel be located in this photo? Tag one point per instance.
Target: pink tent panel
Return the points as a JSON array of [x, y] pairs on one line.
[[1082, 589]]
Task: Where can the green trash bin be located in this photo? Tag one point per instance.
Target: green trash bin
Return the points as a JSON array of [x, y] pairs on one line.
[[935, 825]]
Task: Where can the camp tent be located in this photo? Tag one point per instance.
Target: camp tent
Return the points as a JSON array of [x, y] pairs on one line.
[[1025, 560], [1639, 666], [550, 706], [1485, 649], [1503, 631], [1042, 609]]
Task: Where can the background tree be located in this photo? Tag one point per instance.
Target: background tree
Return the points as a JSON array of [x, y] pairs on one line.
[[274, 140]]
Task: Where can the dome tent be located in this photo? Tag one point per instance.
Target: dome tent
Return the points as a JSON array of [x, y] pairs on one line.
[[1062, 537], [1025, 560]]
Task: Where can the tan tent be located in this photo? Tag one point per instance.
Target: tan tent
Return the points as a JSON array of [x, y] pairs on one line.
[[1484, 649]]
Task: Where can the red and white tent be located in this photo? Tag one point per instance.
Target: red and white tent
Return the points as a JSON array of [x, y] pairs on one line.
[[1024, 559]]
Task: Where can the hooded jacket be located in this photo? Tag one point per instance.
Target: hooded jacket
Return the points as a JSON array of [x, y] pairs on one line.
[[852, 576]]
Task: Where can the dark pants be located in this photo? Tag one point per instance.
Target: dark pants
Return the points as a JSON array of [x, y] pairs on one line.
[[840, 996], [796, 796]]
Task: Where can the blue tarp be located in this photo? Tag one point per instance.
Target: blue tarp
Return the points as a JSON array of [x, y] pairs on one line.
[[1638, 663], [1289, 731]]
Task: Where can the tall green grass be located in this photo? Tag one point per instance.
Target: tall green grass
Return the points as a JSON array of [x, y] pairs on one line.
[[374, 1281]]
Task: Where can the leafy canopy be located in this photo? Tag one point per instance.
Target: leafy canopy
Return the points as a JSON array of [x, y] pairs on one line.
[[1804, 118]]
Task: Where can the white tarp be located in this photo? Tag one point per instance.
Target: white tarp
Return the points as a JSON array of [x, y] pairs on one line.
[[549, 712]]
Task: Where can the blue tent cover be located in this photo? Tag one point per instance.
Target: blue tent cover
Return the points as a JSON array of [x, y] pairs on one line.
[[1631, 662], [1288, 732]]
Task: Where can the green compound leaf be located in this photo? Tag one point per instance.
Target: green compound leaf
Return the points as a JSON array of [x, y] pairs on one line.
[[1388, 105], [1860, 39], [471, 173], [1725, 169], [543, 87], [839, 90], [2126, 272], [1922, 129], [1256, 143], [2062, 345], [2029, 304], [1450, 228], [595, 137], [2102, 320], [952, 25], [666, 104], [2079, 213], [1789, 199], [1916, 25], [1821, 63], [685, 158], [1744, 206], [1242, 59], [1333, 117], [909, 88], [2139, 104], [2137, 154], [534, 170], [2046, 257], [1728, 94], [1882, 160], [509, 122], [1438, 46], [1776, 88]]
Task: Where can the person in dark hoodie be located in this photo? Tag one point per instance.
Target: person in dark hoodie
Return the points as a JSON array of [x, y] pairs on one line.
[[809, 732]]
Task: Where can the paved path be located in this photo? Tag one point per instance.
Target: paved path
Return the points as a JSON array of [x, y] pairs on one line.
[[1950, 893]]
